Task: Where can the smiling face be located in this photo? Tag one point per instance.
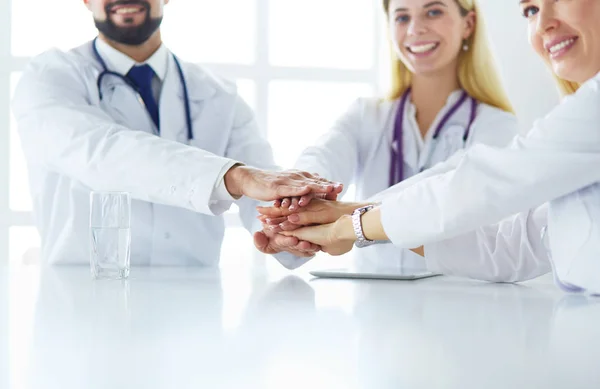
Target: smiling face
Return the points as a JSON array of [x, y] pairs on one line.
[[428, 35], [566, 34], [130, 22]]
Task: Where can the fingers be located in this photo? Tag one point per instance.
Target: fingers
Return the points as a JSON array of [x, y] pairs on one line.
[[332, 196], [277, 203], [271, 243], [294, 246], [274, 221], [294, 205], [305, 200], [278, 221], [291, 203], [286, 190], [309, 218], [287, 226], [285, 242], [270, 230], [320, 180], [272, 212], [285, 203], [319, 187], [296, 184], [308, 247]]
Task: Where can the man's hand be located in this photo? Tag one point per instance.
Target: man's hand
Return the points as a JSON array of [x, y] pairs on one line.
[[269, 186], [270, 242]]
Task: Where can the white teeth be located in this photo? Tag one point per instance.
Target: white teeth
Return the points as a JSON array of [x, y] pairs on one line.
[[561, 45], [422, 48], [122, 11]]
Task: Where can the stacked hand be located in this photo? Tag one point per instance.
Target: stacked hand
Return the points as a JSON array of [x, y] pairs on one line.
[[293, 191], [269, 185], [314, 226]]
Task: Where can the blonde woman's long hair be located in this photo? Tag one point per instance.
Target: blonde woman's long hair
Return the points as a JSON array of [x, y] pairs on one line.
[[566, 87], [477, 72]]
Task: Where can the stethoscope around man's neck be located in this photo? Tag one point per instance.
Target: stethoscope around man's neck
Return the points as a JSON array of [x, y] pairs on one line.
[[106, 72]]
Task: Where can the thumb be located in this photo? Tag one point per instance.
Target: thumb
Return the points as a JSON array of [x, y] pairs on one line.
[[261, 242]]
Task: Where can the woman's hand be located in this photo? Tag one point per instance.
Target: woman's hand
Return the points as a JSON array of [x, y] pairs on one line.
[[335, 238], [317, 212]]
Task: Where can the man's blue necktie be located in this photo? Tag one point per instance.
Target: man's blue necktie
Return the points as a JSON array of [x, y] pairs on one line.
[[142, 77]]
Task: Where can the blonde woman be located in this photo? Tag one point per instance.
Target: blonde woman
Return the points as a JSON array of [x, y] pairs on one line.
[[445, 96], [515, 213]]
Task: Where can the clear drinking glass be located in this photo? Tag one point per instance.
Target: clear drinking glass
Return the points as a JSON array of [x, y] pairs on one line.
[[110, 234]]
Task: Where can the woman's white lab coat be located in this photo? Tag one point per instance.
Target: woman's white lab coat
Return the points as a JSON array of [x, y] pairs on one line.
[[75, 143], [485, 214], [357, 150]]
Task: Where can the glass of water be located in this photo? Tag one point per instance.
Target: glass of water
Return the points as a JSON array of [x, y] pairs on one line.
[[110, 234]]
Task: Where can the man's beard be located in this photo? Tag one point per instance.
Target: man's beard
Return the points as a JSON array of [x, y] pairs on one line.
[[131, 36]]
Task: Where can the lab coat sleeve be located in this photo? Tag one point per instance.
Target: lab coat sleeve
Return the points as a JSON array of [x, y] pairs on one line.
[[561, 154], [508, 251], [249, 146], [336, 154], [62, 131]]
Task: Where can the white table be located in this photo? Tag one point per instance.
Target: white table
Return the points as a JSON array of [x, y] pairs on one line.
[[245, 328]]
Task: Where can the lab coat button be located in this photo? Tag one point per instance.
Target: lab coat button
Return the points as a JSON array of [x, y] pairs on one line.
[[167, 235]]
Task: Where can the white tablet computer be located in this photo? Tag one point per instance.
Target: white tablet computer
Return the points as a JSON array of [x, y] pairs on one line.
[[374, 273]]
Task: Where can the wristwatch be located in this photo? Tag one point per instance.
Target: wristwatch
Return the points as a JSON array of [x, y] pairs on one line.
[[361, 241]]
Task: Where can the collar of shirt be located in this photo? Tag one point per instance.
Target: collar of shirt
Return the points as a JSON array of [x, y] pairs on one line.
[[411, 114], [121, 63]]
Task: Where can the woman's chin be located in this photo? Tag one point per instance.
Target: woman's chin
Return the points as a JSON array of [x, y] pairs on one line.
[[572, 72]]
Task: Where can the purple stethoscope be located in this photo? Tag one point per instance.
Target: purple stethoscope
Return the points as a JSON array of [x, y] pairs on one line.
[[397, 164]]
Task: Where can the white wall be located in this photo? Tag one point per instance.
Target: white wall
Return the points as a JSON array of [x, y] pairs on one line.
[[527, 80]]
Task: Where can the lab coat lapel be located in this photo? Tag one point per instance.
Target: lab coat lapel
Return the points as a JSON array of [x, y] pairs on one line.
[[125, 105], [409, 149], [172, 103], [172, 106], [447, 139], [424, 159], [119, 100]]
